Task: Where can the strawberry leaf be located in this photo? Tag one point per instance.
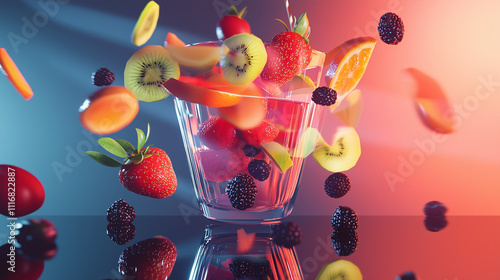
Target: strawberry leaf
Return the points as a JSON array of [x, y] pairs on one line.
[[104, 159], [127, 146], [141, 139], [113, 147]]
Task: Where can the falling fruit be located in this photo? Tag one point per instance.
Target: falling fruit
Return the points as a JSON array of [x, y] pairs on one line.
[[10, 70]]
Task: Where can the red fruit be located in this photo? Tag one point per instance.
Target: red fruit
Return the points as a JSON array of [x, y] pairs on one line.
[[21, 189], [148, 259], [265, 132], [287, 56], [222, 165], [216, 133], [218, 273], [153, 177], [232, 23]]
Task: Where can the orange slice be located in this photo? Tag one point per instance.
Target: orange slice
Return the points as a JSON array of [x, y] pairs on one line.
[[173, 40], [10, 70], [194, 90], [109, 109], [347, 63], [197, 58]]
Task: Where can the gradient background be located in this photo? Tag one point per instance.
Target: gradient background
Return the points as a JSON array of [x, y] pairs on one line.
[[457, 46]]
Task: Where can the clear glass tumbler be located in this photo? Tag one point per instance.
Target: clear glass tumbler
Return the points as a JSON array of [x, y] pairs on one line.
[[212, 169], [245, 253]]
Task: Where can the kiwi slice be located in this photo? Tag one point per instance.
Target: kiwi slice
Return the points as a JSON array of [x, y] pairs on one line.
[[147, 70], [343, 154], [340, 270], [245, 60], [146, 24]]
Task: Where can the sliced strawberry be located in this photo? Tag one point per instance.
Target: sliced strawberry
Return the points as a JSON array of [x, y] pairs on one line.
[[216, 133], [265, 132]]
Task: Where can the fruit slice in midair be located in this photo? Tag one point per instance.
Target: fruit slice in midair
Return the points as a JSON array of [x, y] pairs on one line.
[[278, 155], [307, 143], [245, 60], [108, 110], [197, 58], [173, 40], [347, 63], [349, 112], [188, 90], [340, 269], [343, 154], [146, 24], [147, 70], [9, 69]]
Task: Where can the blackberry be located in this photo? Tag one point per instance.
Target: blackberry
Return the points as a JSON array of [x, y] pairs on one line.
[[259, 169], [391, 29], [251, 151], [120, 212], [324, 96], [249, 268], [241, 190], [345, 241], [435, 223], [407, 276], [344, 218], [103, 77], [337, 185], [286, 234], [120, 233], [435, 208]]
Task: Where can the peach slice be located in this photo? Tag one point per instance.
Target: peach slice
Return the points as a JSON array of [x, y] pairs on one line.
[[249, 112], [10, 70], [198, 91], [173, 40], [108, 110], [245, 241], [197, 59]]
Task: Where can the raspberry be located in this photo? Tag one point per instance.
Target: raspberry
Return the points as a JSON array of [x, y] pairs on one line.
[[259, 169], [241, 190], [407, 276], [217, 133], [344, 218], [286, 234], [435, 223], [251, 151], [265, 132], [337, 185], [120, 233], [345, 241], [103, 77], [120, 212], [391, 29], [324, 96], [435, 208]]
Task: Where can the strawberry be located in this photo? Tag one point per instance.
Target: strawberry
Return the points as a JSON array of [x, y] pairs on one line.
[[288, 54], [265, 132], [145, 171], [232, 23], [153, 258], [224, 164], [216, 133]]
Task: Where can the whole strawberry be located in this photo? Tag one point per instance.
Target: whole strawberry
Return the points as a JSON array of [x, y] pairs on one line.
[[232, 23], [288, 54], [146, 171], [153, 258]]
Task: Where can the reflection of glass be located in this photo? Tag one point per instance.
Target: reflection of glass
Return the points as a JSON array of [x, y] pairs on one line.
[[229, 252], [212, 168]]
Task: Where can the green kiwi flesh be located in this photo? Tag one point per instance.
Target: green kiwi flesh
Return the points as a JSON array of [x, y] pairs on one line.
[[343, 154], [340, 270], [245, 60], [147, 70]]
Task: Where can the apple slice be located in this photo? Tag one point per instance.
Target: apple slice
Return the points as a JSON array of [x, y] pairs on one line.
[[278, 155], [10, 70], [201, 95], [307, 143]]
